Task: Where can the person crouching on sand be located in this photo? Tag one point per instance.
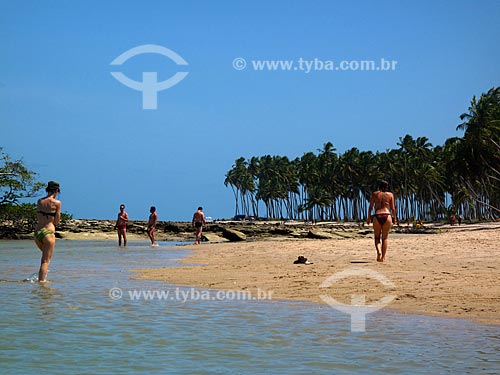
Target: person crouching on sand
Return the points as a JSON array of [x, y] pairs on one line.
[[383, 201], [49, 214]]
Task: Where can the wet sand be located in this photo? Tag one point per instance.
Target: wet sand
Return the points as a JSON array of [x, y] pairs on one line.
[[451, 274], [101, 236]]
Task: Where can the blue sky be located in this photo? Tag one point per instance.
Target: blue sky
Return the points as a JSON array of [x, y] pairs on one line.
[[71, 121]]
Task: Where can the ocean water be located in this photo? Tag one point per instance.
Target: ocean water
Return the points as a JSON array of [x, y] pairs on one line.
[[86, 321]]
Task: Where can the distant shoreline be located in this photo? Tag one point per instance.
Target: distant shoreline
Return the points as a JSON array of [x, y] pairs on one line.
[[88, 229]]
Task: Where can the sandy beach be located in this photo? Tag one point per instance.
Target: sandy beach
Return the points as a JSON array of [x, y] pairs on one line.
[[454, 273]]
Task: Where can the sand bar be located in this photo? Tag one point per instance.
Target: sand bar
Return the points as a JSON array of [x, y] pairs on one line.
[[451, 274], [101, 236]]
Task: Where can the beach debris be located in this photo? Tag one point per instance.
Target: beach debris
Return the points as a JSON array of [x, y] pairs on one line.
[[301, 260]]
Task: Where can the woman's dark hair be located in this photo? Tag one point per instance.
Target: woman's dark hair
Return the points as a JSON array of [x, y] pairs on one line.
[[52, 187], [383, 185]]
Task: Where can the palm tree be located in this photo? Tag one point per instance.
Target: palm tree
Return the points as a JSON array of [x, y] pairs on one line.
[[482, 127], [481, 151], [253, 169], [242, 183], [308, 177]]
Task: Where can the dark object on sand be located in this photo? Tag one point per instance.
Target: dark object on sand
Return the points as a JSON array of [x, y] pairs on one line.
[[301, 260]]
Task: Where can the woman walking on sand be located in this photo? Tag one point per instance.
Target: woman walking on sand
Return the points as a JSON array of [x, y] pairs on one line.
[[49, 214], [383, 201]]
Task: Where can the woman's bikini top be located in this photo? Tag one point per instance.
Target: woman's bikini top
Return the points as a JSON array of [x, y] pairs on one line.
[[47, 214]]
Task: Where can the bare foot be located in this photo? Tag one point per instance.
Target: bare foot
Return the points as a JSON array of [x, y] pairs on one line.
[[378, 257]]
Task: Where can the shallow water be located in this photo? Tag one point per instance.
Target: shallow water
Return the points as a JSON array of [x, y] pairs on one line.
[[75, 324]]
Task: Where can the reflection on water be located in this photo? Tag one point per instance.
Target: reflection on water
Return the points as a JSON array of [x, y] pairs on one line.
[[42, 297], [71, 323]]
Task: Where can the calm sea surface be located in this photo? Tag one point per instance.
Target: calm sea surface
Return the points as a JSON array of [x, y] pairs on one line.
[[73, 325]]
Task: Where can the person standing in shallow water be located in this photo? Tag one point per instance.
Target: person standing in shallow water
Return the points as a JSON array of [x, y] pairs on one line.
[[198, 222], [48, 214], [153, 218], [121, 225], [383, 200]]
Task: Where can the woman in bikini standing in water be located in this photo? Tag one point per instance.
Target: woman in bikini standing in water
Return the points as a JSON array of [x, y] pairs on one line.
[[49, 214], [383, 201]]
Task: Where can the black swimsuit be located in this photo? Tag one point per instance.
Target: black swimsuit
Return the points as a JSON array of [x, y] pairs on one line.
[[47, 214]]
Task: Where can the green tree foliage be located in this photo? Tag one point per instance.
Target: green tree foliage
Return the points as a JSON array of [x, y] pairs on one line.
[[16, 181], [430, 183], [17, 218]]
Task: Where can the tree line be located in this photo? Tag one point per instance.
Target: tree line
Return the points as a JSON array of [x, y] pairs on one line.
[[430, 182]]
